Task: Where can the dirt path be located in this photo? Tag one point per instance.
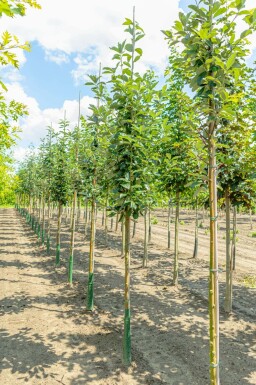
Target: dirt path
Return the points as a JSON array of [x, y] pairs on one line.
[[47, 337]]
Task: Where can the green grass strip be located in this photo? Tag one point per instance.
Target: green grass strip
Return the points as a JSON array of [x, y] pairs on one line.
[[90, 291], [127, 338]]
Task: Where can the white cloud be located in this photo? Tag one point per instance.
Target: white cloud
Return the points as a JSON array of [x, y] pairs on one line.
[[34, 126], [57, 57], [77, 27]]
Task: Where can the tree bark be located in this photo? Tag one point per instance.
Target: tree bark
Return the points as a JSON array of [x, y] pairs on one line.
[[90, 292], [58, 235], [127, 311], [145, 254], [228, 293], [176, 241], [72, 240]]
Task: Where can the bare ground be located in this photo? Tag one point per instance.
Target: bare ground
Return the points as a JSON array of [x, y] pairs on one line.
[[47, 337]]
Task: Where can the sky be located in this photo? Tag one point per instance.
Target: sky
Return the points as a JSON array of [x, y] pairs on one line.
[[68, 41]]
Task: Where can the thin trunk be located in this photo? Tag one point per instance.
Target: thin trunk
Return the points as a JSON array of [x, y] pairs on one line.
[[196, 234], [127, 310], [214, 273], [106, 221], [145, 254], [43, 223], [134, 228], [57, 261], [90, 293], [48, 226], [79, 210], [123, 238], [117, 221], [176, 241], [228, 294], [149, 226], [233, 249], [169, 224], [72, 240], [251, 224]]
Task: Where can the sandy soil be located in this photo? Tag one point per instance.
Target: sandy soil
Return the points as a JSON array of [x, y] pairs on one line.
[[47, 337]]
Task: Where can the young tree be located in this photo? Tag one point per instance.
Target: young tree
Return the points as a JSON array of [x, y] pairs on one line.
[[131, 133], [212, 55]]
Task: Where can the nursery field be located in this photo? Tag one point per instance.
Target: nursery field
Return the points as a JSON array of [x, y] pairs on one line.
[[48, 337]]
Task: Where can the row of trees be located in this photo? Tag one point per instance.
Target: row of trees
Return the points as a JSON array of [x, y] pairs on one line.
[[142, 144], [10, 111]]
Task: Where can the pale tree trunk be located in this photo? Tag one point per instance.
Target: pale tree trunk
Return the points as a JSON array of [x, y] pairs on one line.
[[57, 260], [214, 273], [149, 226], [145, 254], [233, 248], [228, 294], [72, 240], [134, 228], [79, 210], [117, 221], [90, 292], [43, 222], [251, 224], [169, 224], [195, 253], [127, 310], [123, 238], [176, 241], [106, 221], [48, 226]]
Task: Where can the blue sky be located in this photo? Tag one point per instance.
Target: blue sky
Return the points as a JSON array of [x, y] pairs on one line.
[[68, 45]]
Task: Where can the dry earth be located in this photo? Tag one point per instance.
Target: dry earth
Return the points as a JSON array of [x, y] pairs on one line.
[[47, 337]]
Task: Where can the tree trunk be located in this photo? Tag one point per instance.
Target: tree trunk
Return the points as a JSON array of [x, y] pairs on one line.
[[72, 240], [213, 279], [43, 223], [127, 311], [176, 241], [90, 292], [233, 249], [117, 221], [228, 293], [106, 221], [134, 228], [145, 254], [48, 226], [58, 235], [169, 224], [123, 237], [251, 224], [195, 253], [149, 226]]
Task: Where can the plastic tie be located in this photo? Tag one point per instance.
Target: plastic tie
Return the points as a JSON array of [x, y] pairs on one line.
[[214, 218], [214, 365]]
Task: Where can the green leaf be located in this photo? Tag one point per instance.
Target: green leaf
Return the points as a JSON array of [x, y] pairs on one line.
[[245, 33], [231, 60], [129, 47]]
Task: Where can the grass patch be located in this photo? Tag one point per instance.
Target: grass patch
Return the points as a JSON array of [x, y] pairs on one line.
[[6, 206], [249, 281], [253, 234]]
